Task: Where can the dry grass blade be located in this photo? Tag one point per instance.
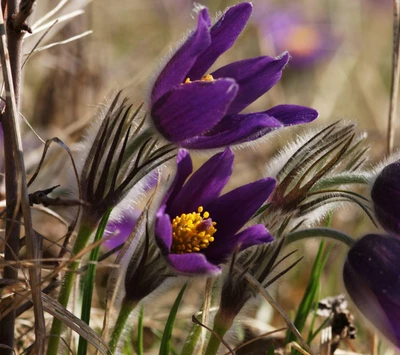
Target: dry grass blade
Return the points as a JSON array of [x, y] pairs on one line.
[[55, 309], [394, 90], [60, 19], [49, 14], [258, 338], [196, 321], [294, 345], [28, 55], [68, 40], [259, 288], [206, 312]]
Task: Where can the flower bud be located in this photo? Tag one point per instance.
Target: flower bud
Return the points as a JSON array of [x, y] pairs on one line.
[[385, 195], [371, 276]]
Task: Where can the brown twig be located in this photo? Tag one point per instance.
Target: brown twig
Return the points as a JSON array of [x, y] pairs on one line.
[[18, 20], [10, 57], [394, 87]]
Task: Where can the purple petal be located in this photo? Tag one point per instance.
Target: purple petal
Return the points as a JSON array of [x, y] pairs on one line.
[[253, 235], [371, 276], [385, 195], [177, 68], [183, 170], [234, 209], [289, 115], [189, 110], [193, 263], [254, 76], [122, 229], [163, 232], [205, 185], [235, 129], [223, 35]]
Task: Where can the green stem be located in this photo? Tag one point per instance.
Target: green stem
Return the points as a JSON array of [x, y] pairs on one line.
[[221, 326], [125, 311], [322, 233], [140, 332], [192, 340], [89, 280], [82, 239]]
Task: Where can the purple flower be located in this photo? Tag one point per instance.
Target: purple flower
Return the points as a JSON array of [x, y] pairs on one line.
[[385, 195], [372, 278], [198, 110], [196, 228], [288, 29]]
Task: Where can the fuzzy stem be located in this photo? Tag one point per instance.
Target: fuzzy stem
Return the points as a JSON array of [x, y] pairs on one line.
[[221, 326], [85, 231], [192, 340], [89, 281], [124, 313], [321, 233]]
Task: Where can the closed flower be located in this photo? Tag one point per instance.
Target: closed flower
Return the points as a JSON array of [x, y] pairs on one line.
[[372, 278]]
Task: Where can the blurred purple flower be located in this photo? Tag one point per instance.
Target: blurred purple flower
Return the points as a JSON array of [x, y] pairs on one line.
[[287, 29], [385, 195], [372, 278], [198, 110], [121, 229], [196, 228]]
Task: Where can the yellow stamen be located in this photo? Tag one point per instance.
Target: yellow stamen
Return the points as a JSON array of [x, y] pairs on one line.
[[190, 233], [207, 77]]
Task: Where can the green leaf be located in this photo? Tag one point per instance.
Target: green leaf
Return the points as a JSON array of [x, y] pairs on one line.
[[271, 350], [89, 280], [311, 290], [166, 338]]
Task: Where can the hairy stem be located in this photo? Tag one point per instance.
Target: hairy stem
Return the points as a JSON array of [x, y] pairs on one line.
[[124, 313], [68, 282]]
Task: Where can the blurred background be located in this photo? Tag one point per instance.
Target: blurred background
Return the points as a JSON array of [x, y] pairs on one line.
[[341, 65]]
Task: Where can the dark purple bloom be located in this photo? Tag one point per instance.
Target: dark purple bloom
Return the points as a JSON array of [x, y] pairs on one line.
[[196, 228], [198, 110], [372, 278], [385, 195]]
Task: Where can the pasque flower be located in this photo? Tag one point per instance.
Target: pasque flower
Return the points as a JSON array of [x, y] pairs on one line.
[[196, 228], [198, 110], [372, 278], [385, 195], [288, 28]]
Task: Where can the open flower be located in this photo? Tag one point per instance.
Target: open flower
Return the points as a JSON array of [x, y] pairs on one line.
[[196, 228], [198, 110], [371, 276], [288, 29], [385, 195]]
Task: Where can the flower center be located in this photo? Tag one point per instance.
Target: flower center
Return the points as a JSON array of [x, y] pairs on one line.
[[207, 77], [192, 232]]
